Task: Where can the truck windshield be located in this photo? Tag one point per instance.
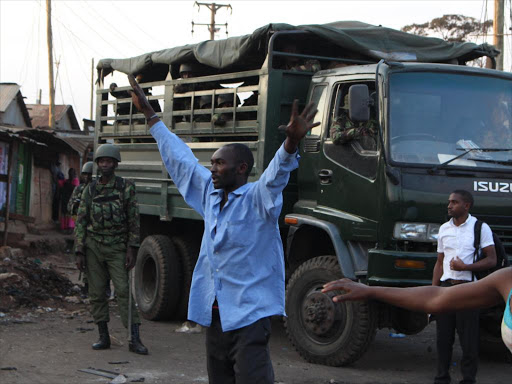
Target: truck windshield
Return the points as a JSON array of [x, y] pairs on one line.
[[434, 118]]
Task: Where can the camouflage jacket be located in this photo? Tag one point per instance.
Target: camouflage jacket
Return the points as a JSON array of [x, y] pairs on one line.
[[74, 201], [109, 215], [345, 130]]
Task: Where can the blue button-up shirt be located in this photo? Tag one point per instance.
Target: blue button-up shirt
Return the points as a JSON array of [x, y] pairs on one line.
[[241, 262]]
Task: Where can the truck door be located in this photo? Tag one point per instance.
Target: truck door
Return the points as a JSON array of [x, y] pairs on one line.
[[347, 173]]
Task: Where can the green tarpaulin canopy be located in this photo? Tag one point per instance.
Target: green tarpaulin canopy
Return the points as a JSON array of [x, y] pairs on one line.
[[369, 41]]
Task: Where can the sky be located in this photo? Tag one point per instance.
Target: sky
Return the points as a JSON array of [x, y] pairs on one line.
[[84, 30]]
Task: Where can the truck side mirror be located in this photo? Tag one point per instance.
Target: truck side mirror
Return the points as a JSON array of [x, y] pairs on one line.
[[359, 103]]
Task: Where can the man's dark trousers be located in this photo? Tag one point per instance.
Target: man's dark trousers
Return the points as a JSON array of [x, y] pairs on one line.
[[241, 356], [467, 325]]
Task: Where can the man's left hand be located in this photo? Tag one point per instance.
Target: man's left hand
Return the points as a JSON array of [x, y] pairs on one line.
[[457, 264], [131, 258], [299, 125]]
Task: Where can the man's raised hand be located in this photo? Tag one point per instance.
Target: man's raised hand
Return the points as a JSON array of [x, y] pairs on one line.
[[299, 125], [139, 98]]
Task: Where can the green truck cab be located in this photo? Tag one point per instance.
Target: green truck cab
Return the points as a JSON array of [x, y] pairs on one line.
[[368, 209]]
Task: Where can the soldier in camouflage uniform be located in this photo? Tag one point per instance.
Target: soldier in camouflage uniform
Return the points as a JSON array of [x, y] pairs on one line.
[[107, 237], [344, 130], [74, 201]]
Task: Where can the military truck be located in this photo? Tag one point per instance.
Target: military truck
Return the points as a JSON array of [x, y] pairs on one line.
[[368, 209]]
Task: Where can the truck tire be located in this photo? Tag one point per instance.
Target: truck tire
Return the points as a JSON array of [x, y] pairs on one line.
[[189, 251], [158, 278], [324, 332]]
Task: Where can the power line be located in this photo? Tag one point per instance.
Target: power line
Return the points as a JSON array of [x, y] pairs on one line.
[[28, 51], [38, 50], [92, 29], [108, 24], [79, 54], [70, 31], [136, 25], [71, 92]]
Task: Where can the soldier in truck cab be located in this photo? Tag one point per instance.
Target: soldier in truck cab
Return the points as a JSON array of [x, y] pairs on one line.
[[344, 130], [238, 281]]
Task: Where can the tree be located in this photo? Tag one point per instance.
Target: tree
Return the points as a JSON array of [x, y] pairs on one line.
[[454, 28]]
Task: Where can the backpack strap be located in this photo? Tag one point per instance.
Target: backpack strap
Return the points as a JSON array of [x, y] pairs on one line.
[[476, 243], [478, 233]]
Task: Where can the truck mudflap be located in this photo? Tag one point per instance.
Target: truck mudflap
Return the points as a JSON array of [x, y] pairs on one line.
[[342, 253], [400, 269]]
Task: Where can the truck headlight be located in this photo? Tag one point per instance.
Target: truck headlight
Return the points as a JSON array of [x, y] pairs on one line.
[[424, 232]]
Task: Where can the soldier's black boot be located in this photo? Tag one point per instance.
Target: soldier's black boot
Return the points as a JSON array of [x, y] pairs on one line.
[[135, 344], [104, 340]]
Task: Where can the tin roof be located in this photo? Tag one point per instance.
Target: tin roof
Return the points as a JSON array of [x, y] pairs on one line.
[[10, 92], [79, 142], [39, 113]]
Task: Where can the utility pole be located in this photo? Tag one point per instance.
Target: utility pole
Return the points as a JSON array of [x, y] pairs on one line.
[[92, 85], [499, 27], [213, 7], [51, 117]]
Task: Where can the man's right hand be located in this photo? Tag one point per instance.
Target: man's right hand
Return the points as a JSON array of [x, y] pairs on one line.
[[299, 125], [139, 98], [80, 261]]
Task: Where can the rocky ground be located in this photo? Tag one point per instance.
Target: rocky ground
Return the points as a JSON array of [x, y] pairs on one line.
[[46, 331]]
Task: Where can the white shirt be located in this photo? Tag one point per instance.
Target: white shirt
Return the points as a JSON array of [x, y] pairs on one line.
[[458, 241]]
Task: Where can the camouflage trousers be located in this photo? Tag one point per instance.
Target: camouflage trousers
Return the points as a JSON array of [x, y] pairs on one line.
[[104, 261]]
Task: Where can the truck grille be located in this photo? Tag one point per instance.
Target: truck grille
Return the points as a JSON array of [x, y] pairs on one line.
[[312, 143]]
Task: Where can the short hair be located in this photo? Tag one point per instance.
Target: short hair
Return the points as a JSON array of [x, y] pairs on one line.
[[242, 155], [467, 197]]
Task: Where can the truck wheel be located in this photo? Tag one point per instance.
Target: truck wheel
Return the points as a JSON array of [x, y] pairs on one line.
[[158, 278], [324, 332], [189, 251]]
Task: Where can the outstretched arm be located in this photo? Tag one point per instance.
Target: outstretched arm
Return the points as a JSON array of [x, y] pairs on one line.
[[191, 178], [430, 299], [275, 177]]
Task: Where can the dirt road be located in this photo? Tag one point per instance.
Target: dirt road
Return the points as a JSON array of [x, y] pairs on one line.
[[50, 347]]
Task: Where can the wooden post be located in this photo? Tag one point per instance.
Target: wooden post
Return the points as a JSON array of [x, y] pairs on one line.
[[51, 117], [8, 192], [213, 7], [498, 27], [92, 86]]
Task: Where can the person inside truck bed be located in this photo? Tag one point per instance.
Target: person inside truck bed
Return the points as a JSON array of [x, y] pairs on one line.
[[189, 71], [238, 282], [344, 130], [123, 109], [293, 63], [224, 100]]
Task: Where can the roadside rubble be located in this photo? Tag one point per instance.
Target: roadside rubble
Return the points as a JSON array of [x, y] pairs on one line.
[[30, 287]]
